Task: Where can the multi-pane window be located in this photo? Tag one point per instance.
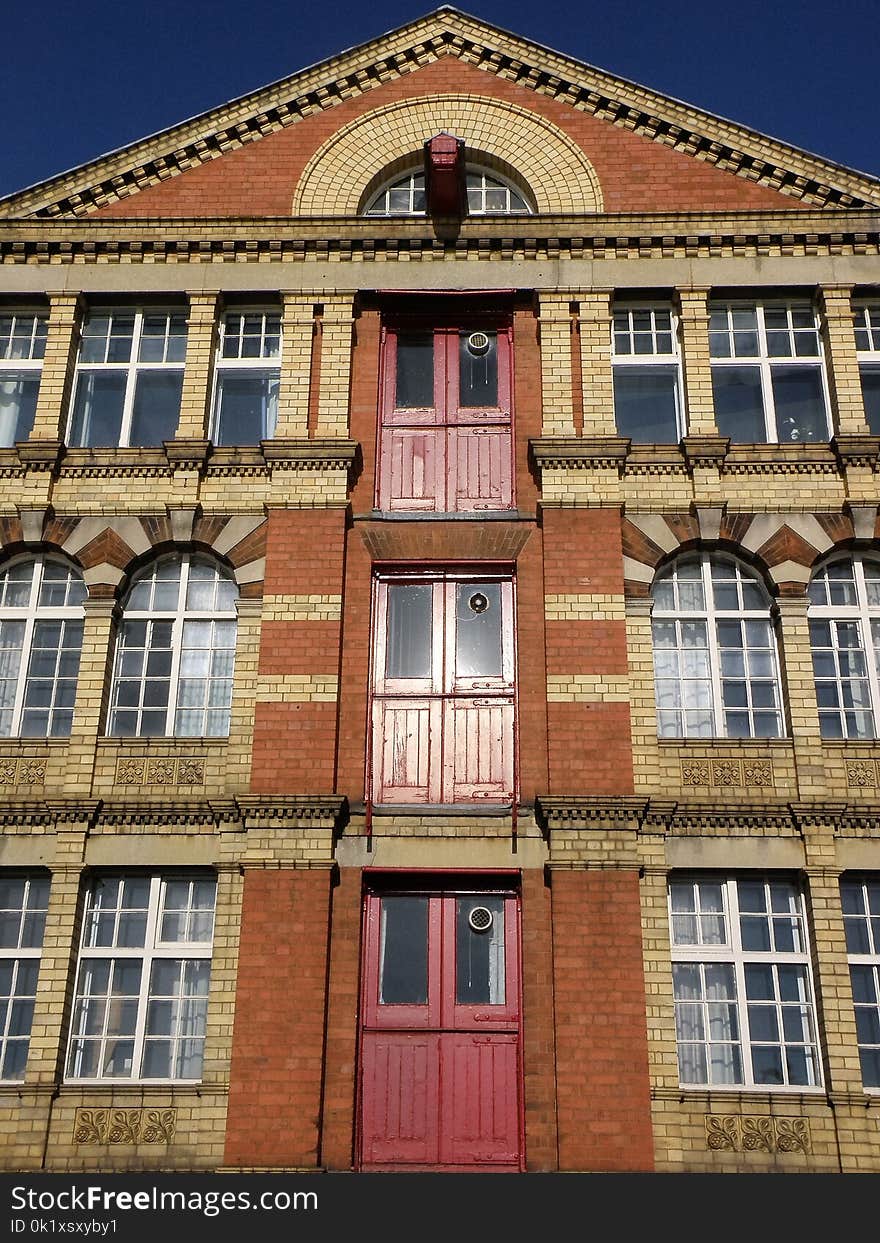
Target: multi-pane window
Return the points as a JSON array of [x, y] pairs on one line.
[[844, 621], [22, 346], [445, 438], [142, 983], [866, 321], [247, 376], [716, 671], [744, 1012], [175, 652], [129, 377], [768, 376], [443, 689], [41, 630], [647, 375], [488, 194], [23, 903], [861, 919]]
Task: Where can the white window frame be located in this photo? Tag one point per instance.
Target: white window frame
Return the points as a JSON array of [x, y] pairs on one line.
[[31, 614], [153, 950], [765, 363], [866, 325], [731, 952], [178, 618], [133, 367], [415, 178], [870, 958], [11, 367], [16, 954], [665, 360], [264, 364], [711, 615], [867, 617]]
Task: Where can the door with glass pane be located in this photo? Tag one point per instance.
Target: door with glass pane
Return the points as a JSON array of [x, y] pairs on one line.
[[445, 442], [443, 690], [440, 1031]]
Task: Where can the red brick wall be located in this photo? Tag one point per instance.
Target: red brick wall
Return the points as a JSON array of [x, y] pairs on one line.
[[602, 1085], [278, 1038], [635, 173], [337, 1145], [539, 1086], [590, 747], [295, 743]]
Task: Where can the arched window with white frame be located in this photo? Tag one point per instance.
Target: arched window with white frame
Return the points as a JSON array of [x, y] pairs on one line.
[[175, 651], [844, 616], [41, 630], [488, 194], [716, 667]]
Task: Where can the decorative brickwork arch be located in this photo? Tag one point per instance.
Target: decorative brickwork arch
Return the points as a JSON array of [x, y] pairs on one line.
[[558, 174], [784, 548]]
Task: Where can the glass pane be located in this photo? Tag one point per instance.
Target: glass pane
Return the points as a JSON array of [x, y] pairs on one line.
[[646, 403], [403, 957], [415, 372], [800, 404], [18, 402], [478, 369], [247, 404], [410, 625], [156, 407], [478, 630], [97, 411], [739, 404], [479, 951], [870, 393]]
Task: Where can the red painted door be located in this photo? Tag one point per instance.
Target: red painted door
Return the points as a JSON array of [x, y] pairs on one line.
[[443, 689], [440, 1031], [445, 441]]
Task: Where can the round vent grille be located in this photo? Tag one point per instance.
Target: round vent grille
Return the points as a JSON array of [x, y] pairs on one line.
[[480, 919], [478, 343]]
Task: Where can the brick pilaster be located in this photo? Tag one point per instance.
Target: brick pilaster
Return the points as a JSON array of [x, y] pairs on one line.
[[297, 334], [59, 360], [696, 367], [556, 339], [596, 374], [844, 381], [201, 345]]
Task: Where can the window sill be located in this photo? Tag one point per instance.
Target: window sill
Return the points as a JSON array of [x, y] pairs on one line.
[[482, 515], [441, 809]]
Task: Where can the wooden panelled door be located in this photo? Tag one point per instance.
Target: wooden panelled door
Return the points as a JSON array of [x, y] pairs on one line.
[[440, 1031], [443, 689], [445, 439]]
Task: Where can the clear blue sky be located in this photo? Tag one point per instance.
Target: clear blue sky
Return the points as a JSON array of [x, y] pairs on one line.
[[78, 79]]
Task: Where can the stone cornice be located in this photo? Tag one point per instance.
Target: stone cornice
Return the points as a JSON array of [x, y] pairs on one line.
[[575, 452], [607, 236], [711, 139], [292, 810], [180, 455], [554, 812]]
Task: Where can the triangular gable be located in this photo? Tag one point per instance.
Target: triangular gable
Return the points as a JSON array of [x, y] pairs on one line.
[[322, 96]]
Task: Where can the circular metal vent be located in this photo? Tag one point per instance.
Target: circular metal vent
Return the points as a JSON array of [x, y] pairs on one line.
[[478, 603], [478, 343], [480, 919]]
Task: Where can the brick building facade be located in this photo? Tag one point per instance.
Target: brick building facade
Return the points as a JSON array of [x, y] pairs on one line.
[[440, 617]]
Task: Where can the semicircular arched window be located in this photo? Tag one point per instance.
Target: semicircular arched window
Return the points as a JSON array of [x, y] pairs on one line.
[[844, 617], [488, 194], [175, 651], [716, 670], [41, 630]]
